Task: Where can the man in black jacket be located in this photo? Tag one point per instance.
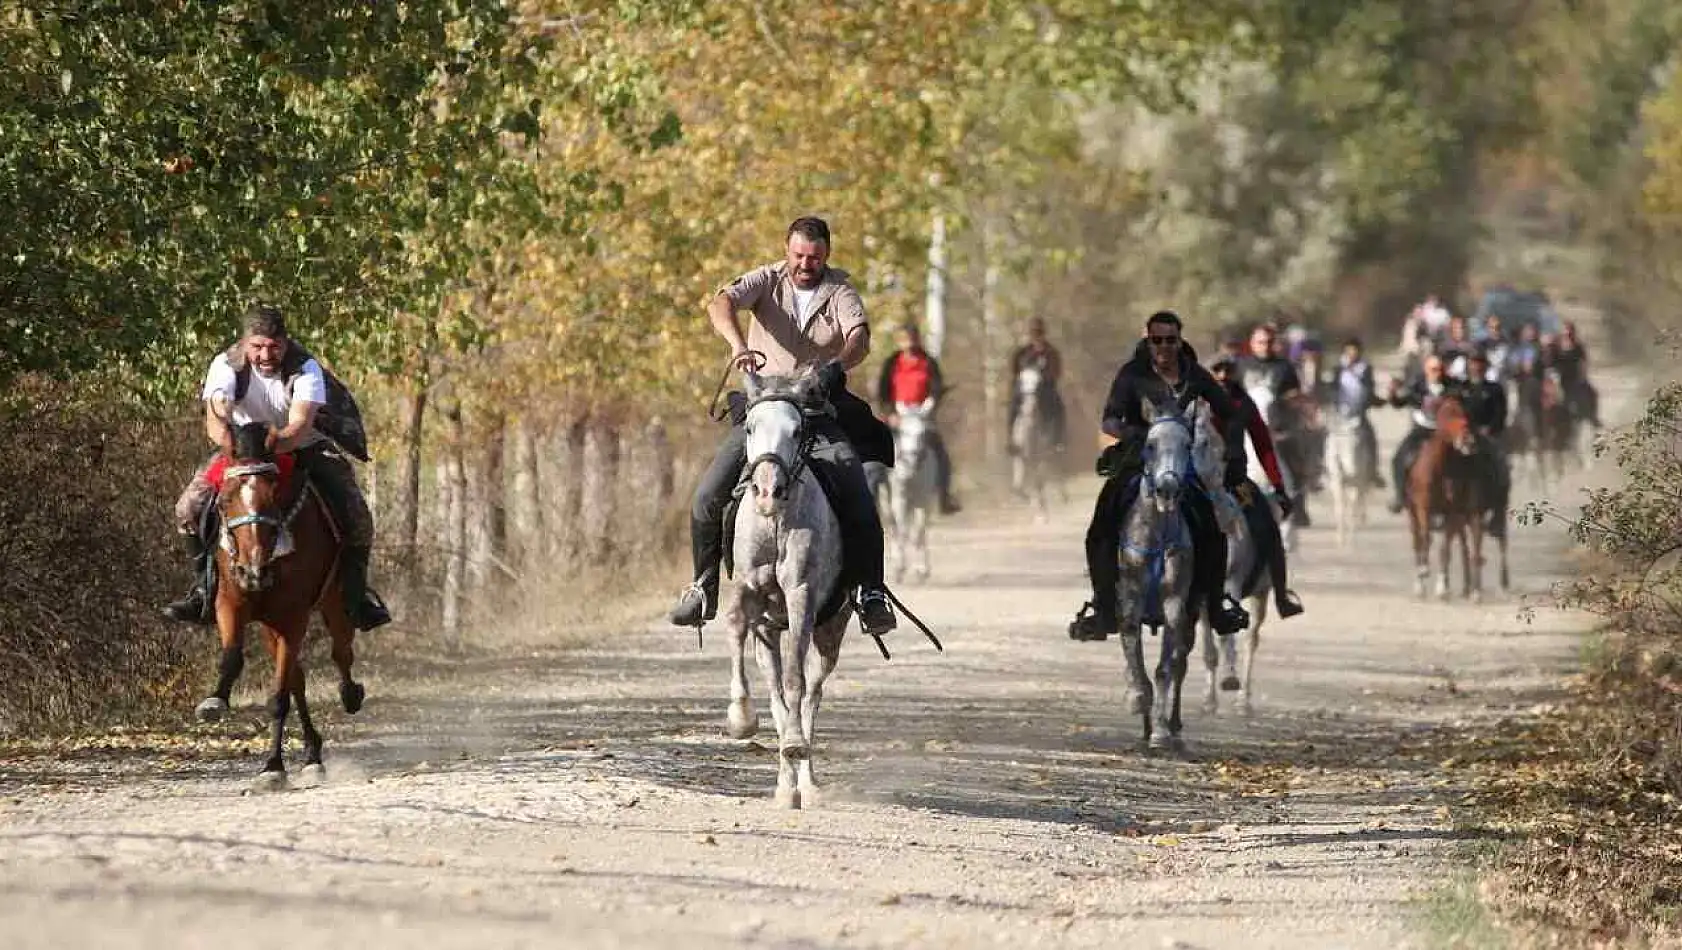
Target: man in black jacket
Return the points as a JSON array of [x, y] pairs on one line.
[[1164, 369]]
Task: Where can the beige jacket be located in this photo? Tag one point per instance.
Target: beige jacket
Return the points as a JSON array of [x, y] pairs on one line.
[[789, 344]]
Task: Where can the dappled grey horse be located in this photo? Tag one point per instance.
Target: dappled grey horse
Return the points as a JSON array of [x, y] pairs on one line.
[[1182, 453], [912, 487], [1030, 441], [787, 557]]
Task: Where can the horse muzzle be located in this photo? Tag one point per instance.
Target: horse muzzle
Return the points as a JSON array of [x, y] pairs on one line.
[[253, 579]]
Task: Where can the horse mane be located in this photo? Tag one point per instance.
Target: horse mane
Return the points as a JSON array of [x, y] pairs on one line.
[[251, 442]]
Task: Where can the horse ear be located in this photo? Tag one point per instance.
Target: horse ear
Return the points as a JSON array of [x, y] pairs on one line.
[[1148, 410]]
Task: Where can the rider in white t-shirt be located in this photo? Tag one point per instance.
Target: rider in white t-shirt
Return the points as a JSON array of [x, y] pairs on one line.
[[285, 389]]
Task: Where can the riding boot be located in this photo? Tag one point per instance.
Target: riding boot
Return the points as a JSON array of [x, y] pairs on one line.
[[699, 601], [366, 609], [862, 541], [1270, 544], [1096, 619], [1226, 615], [195, 607]]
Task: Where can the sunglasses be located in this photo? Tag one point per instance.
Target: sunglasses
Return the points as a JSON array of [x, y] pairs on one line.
[[1163, 340]]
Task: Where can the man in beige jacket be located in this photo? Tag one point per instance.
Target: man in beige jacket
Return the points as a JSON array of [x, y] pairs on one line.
[[806, 315]]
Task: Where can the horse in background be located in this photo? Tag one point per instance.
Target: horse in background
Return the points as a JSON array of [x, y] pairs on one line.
[[1444, 483], [275, 565], [912, 488], [1031, 443], [1182, 453], [788, 570], [1350, 472], [1248, 582], [1543, 428]]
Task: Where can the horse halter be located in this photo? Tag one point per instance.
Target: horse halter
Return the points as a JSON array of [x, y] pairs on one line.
[[1183, 475], [242, 472]]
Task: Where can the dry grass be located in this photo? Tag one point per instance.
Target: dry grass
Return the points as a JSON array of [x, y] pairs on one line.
[[1589, 798]]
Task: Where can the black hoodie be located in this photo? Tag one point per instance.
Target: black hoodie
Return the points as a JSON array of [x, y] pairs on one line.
[[1123, 415]]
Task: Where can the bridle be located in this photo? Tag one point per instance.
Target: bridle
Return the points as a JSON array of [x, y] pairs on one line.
[[803, 439], [255, 470]]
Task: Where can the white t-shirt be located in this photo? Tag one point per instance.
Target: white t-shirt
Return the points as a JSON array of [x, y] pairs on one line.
[[267, 399], [803, 305]]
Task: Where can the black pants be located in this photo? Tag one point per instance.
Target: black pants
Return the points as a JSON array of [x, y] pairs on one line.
[[942, 463], [834, 462], [1270, 543], [1103, 544]]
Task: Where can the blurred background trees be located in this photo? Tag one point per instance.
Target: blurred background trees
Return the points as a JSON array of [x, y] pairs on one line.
[[500, 220]]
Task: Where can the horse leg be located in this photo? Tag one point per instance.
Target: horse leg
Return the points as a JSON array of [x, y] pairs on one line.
[[1420, 523], [313, 772], [1473, 558], [793, 752], [231, 628], [273, 776], [1258, 615], [902, 528], [1171, 659], [820, 662], [1211, 664], [1451, 527], [922, 543], [768, 649], [740, 717], [343, 635]]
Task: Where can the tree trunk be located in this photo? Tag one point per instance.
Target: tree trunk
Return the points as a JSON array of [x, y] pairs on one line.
[[601, 476], [525, 507], [487, 514], [455, 524], [563, 483], [992, 361], [934, 302], [409, 491]]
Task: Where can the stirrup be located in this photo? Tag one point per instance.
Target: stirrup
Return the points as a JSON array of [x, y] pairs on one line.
[[887, 624], [679, 614], [1086, 626], [1233, 612]]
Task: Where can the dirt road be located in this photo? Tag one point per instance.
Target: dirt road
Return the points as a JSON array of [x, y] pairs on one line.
[[992, 796]]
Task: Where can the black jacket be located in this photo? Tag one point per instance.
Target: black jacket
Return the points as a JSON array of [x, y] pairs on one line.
[[1486, 405], [1123, 415]]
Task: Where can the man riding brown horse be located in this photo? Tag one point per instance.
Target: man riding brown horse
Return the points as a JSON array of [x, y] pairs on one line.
[[268, 378]]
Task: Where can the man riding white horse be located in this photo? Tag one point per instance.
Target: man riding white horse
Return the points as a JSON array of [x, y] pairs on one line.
[[1265, 370], [1164, 370], [268, 378], [909, 376], [1247, 421], [1038, 354], [1351, 394], [805, 314]]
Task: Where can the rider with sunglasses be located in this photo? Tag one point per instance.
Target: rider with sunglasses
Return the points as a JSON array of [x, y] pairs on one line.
[[1165, 370]]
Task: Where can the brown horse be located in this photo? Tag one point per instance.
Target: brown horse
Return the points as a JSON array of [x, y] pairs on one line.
[[275, 565], [1444, 482]]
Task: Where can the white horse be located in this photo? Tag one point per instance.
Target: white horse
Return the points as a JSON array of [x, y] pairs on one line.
[[1263, 398], [787, 555], [912, 486], [1248, 582], [1349, 473], [1030, 442], [1157, 562]]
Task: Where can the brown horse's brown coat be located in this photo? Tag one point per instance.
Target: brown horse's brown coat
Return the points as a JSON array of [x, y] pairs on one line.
[[1452, 491], [303, 582]]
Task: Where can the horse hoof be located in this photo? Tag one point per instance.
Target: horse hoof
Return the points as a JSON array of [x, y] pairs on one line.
[[1230, 684], [743, 724], [1476, 596], [1159, 742], [352, 695], [269, 782], [810, 796], [788, 798], [312, 776], [211, 710]]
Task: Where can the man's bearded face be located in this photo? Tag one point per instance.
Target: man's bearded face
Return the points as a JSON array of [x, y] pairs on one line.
[[806, 260], [264, 353]]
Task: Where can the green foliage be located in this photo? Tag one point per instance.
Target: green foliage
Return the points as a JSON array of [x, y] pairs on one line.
[[161, 163]]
